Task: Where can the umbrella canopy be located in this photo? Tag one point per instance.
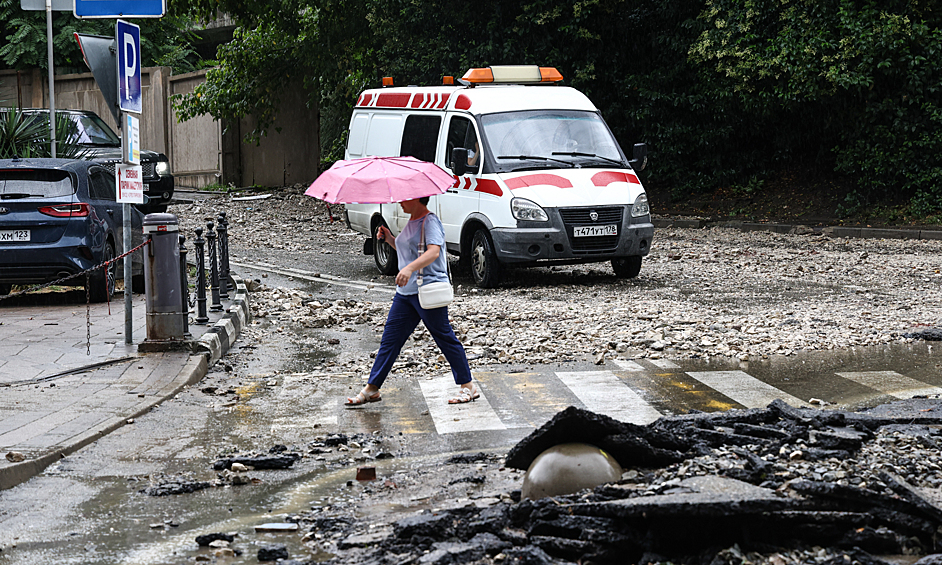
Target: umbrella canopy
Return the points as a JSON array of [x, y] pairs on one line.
[[379, 180]]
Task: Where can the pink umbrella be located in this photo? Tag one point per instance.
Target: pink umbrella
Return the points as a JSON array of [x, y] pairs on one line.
[[379, 180]]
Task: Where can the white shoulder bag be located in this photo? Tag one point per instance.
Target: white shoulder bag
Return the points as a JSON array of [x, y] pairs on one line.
[[436, 294]]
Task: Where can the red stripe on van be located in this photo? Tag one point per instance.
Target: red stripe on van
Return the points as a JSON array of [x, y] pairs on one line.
[[418, 100], [393, 100], [608, 177], [489, 186], [534, 180], [463, 102], [364, 100], [444, 101]]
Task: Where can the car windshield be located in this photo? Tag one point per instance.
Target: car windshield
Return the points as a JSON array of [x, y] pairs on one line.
[[20, 183], [536, 139], [93, 130]]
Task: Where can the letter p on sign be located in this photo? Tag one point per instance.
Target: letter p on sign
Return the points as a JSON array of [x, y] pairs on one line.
[[128, 39]]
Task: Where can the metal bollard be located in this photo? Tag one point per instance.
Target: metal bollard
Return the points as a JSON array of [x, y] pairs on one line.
[[213, 268], [222, 231], [184, 287], [199, 243], [162, 279]]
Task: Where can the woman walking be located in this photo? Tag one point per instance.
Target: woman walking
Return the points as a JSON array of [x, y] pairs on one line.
[[405, 312]]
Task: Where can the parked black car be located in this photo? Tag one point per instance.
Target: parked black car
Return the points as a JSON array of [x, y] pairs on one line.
[[102, 144], [59, 217]]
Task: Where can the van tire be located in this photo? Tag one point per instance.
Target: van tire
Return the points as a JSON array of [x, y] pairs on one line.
[[387, 261], [627, 267], [485, 269]]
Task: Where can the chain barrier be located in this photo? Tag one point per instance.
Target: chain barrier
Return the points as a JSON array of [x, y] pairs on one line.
[[88, 285]]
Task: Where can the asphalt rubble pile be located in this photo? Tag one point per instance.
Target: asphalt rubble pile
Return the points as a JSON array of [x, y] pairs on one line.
[[778, 485]]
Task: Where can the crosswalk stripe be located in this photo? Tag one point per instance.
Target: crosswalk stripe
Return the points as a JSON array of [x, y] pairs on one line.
[[604, 393], [296, 389], [626, 365], [744, 388], [891, 383], [452, 418], [664, 364]]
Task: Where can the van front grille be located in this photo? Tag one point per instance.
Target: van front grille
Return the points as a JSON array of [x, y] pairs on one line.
[[573, 217]]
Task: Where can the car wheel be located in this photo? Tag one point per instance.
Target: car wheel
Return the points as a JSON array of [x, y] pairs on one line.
[[485, 269], [627, 267], [5, 289], [387, 261], [102, 281]]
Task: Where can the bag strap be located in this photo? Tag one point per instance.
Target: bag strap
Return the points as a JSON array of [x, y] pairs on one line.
[[422, 248]]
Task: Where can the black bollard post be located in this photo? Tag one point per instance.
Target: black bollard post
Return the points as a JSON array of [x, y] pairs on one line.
[[222, 234], [213, 268], [199, 243], [184, 288]]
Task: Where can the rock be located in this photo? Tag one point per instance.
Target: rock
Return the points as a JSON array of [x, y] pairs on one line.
[[272, 552], [206, 539], [15, 457]]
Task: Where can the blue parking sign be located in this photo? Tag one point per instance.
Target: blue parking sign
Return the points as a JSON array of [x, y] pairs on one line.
[[128, 39]]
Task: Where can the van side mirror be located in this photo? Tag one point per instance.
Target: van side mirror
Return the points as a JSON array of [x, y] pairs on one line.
[[459, 161], [639, 157]]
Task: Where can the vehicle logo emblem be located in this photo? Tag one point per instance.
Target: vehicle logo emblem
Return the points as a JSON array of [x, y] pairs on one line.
[[4, 210], [594, 216]]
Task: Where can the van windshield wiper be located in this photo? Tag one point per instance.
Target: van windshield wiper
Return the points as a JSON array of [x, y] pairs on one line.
[[14, 195], [535, 158], [592, 155]]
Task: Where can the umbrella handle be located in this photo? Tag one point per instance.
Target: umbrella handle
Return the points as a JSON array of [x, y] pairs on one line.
[[329, 213]]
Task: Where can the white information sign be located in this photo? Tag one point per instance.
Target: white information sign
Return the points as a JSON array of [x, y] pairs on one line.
[[131, 140], [130, 180]]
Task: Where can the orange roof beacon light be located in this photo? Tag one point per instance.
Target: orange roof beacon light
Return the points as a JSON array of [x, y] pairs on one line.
[[448, 80], [512, 74], [387, 81]]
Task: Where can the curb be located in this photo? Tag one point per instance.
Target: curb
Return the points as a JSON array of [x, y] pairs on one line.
[[12, 475], [831, 231], [218, 339]]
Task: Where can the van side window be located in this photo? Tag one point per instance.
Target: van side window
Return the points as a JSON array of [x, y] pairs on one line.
[[420, 136], [461, 134]]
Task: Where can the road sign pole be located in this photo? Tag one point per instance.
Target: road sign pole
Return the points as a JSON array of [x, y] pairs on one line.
[[52, 84]]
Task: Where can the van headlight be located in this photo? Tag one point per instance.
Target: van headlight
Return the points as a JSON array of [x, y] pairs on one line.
[[640, 207], [162, 168], [527, 211]]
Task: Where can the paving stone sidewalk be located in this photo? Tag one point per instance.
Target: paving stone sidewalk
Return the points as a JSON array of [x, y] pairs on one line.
[[67, 379]]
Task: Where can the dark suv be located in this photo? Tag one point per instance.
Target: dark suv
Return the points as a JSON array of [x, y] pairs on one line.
[[103, 145]]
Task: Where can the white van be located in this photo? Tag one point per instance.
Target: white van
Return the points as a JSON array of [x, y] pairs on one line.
[[539, 177]]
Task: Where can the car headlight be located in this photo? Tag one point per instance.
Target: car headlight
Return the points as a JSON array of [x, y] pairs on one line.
[[162, 168], [640, 207], [527, 211]]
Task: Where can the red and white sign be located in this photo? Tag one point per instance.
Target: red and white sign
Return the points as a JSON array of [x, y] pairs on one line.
[[130, 187]]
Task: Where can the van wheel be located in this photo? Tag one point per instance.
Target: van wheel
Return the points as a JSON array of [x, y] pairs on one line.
[[387, 261], [627, 267], [102, 281], [484, 265]]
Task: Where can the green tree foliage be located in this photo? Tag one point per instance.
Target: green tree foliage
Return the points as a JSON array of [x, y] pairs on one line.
[[26, 136], [856, 85], [164, 42]]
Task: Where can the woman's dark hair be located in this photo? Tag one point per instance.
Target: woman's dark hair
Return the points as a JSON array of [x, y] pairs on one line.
[[424, 200]]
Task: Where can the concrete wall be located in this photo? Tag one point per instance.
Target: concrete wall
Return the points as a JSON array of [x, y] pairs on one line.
[[202, 151]]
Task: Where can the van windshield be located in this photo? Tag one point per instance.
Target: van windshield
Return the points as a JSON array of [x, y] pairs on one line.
[[537, 139]]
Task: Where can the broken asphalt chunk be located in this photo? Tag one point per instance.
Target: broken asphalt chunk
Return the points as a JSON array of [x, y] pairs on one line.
[[281, 461]]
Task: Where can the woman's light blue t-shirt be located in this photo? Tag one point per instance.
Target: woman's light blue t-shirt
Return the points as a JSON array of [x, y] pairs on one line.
[[407, 248]]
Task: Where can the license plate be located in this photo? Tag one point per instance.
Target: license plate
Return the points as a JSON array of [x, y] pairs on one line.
[[594, 231], [14, 235]]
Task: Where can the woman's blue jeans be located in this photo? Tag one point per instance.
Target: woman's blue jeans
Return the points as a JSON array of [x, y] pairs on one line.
[[404, 316]]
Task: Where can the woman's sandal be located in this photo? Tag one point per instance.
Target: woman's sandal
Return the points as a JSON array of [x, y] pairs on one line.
[[466, 395], [363, 398]]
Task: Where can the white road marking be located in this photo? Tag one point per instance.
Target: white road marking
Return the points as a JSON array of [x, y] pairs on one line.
[[321, 278], [604, 393], [452, 418], [745, 389], [892, 383], [664, 364], [296, 389], [626, 365]]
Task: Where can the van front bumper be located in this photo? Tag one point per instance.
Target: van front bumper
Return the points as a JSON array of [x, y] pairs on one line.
[[554, 243]]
